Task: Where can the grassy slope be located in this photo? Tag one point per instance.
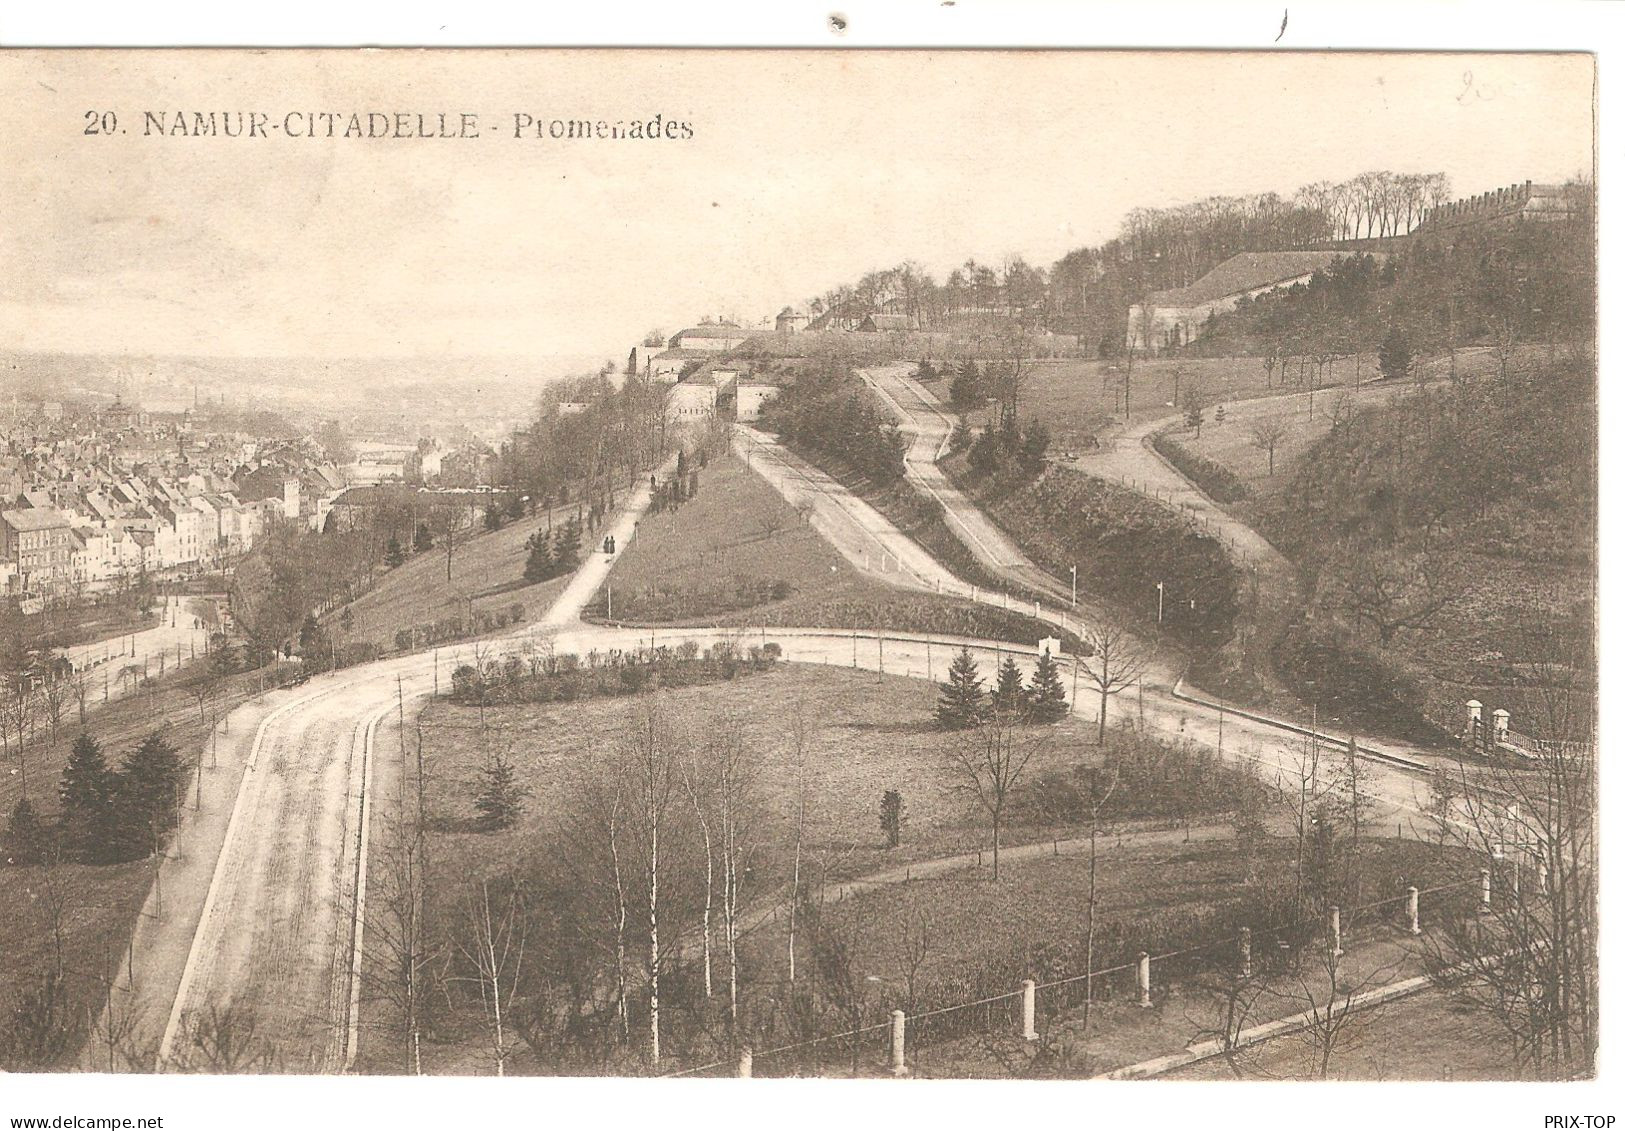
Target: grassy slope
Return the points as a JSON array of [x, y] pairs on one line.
[[67, 627], [688, 566], [1074, 399], [1527, 558], [104, 901], [489, 568], [866, 734]]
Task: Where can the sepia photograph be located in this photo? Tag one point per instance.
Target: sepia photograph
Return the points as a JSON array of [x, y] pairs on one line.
[[944, 564]]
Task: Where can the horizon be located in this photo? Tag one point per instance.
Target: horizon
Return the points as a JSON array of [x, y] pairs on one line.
[[526, 249]]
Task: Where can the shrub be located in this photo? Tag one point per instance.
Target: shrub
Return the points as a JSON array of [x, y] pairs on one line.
[[1215, 480]]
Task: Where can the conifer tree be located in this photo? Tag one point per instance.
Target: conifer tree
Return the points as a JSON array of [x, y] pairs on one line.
[[393, 555], [1394, 356], [87, 796], [148, 785], [423, 539], [501, 798], [539, 565], [966, 389], [961, 703], [26, 839], [1009, 695], [1046, 698], [567, 551]]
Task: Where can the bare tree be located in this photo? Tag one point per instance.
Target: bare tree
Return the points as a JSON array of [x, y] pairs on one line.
[[1334, 1003], [911, 948], [1388, 590], [798, 730], [226, 1039], [991, 757], [1102, 784], [401, 956], [1529, 957], [649, 757], [1119, 658], [1267, 436], [492, 942]]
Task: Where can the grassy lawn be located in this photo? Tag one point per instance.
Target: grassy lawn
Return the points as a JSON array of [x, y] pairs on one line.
[[489, 569], [864, 735], [738, 554], [66, 627], [1156, 897], [1431, 1036], [1076, 399], [95, 909]]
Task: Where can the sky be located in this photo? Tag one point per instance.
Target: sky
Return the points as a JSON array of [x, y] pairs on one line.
[[805, 169]]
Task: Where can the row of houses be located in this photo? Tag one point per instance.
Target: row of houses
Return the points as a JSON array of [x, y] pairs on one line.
[[54, 546]]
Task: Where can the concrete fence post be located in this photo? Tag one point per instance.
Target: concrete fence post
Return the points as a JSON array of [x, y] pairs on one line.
[[744, 1062], [1029, 1010], [1334, 931], [1246, 952], [1144, 980], [899, 1023], [1413, 909], [1483, 891]]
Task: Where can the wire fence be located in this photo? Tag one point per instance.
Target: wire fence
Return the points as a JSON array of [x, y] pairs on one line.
[[907, 1042]]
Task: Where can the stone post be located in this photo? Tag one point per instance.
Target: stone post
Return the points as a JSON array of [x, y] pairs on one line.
[[1246, 952], [1029, 1010], [744, 1062], [1545, 875], [1334, 931], [1413, 909], [899, 1023], [1483, 891], [1145, 980]]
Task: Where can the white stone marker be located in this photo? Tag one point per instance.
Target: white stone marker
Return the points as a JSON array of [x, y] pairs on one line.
[[899, 1022], [1029, 1010]]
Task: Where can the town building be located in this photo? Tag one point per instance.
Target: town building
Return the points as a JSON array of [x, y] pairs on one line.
[[749, 397], [37, 543]]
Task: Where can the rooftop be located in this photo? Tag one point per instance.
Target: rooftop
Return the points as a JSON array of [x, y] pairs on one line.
[[35, 518], [1245, 272]]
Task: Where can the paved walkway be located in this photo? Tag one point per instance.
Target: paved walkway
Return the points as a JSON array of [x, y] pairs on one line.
[[920, 417]]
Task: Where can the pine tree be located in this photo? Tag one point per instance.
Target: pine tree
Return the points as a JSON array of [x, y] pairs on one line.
[[966, 389], [1009, 696], [393, 555], [960, 704], [501, 798], [539, 563], [1046, 698], [423, 539], [87, 794], [1394, 355], [567, 550], [26, 840], [144, 798], [494, 518]]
